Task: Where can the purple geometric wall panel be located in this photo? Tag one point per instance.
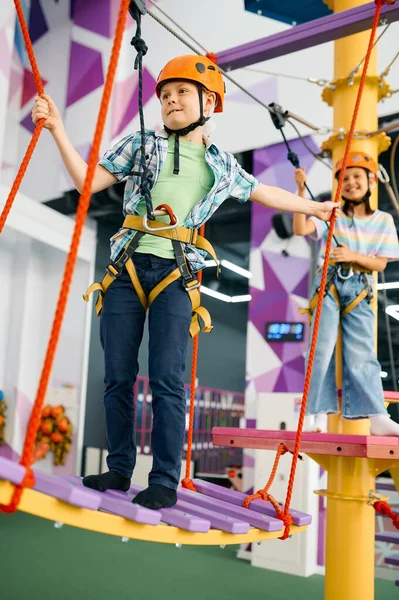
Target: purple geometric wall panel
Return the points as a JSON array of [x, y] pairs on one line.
[[85, 72], [37, 23], [265, 91], [279, 286], [93, 15], [126, 99]]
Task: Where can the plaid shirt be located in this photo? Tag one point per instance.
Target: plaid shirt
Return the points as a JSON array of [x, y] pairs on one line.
[[231, 181]]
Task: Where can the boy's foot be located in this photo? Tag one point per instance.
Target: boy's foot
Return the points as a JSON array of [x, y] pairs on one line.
[[383, 425], [320, 424], [156, 496], [107, 481]]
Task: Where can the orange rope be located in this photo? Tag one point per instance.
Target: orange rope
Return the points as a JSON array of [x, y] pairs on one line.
[[324, 274], [383, 508], [285, 516], [187, 482], [84, 202], [39, 126]]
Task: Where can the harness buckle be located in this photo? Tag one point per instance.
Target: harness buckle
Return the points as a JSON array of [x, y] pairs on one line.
[[112, 271], [342, 276], [192, 287]]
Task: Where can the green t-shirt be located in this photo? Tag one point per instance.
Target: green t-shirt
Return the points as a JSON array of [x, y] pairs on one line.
[[181, 192]]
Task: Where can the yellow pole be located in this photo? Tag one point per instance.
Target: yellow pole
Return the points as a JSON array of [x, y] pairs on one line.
[[350, 527]]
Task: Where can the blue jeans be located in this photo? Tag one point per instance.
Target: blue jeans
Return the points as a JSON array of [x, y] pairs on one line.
[[121, 330], [362, 393]]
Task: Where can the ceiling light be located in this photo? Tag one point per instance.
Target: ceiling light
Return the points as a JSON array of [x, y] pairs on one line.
[[393, 311], [224, 297], [231, 266], [383, 374], [393, 285]]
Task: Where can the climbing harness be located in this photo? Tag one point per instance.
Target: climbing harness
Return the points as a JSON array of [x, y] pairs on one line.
[[343, 271], [178, 236]]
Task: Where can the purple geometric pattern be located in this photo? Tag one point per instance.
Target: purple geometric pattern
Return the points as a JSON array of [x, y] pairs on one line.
[[85, 72], [37, 23], [126, 100], [93, 15], [265, 91], [284, 287]]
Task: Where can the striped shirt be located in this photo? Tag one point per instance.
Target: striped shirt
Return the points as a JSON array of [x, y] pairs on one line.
[[370, 235], [123, 160]]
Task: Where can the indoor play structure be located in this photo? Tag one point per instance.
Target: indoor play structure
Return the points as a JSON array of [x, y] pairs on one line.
[[207, 514]]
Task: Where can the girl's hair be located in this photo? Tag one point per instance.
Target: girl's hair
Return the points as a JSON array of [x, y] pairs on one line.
[[347, 211]]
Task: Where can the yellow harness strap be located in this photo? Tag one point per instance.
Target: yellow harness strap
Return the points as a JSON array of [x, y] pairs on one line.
[[181, 234], [347, 266]]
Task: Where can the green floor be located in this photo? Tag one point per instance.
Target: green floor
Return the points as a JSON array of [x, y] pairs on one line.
[[38, 562]]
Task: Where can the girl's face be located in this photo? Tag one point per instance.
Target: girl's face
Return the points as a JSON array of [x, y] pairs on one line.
[[180, 104], [355, 184]]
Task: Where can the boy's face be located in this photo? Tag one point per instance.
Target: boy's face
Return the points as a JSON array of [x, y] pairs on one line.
[[355, 184], [180, 104]]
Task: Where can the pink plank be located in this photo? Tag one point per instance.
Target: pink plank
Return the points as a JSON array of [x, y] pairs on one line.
[[335, 438], [391, 396], [237, 498], [392, 560], [170, 516], [387, 536], [261, 521]]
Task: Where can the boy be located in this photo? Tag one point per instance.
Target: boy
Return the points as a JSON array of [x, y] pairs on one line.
[[194, 177]]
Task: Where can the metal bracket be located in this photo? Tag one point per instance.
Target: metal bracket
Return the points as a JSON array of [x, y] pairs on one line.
[[138, 5]]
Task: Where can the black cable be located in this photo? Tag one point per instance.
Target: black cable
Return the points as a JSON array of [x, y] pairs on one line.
[[389, 334], [294, 160], [141, 49]]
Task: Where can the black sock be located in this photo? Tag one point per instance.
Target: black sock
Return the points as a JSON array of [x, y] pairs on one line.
[[156, 496], [107, 481]]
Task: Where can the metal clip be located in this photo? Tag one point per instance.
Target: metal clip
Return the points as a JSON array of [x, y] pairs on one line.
[[344, 277], [165, 228], [383, 174]]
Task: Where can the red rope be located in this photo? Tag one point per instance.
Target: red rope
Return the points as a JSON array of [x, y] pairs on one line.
[[39, 127], [383, 508], [187, 482], [84, 202], [323, 280]]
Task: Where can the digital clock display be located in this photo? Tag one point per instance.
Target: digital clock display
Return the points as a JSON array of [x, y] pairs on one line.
[[284, 332]]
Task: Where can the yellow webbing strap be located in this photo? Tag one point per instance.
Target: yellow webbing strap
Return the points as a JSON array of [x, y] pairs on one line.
[[131, 269], [354, 303], [101, 288], [347, 266], [173, 276], [181, 234]]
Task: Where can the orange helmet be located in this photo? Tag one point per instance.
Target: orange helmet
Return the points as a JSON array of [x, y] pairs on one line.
[[198, 69], [358, 159]]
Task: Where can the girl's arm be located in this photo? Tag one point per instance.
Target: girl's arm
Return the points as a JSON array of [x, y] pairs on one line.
[[300, 224], [372, 263]]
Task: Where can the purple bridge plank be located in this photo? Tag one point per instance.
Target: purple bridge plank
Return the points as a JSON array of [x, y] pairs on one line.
[[306, 35], [65, 491], [264, 522], [387, 536], [392, 560], [237, 498], [389, 487], [117, 505], [170, 516], [216, 520], [11, 471]]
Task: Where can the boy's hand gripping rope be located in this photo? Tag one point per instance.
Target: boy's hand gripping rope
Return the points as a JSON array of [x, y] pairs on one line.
[[39, 127], [84, 202]]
